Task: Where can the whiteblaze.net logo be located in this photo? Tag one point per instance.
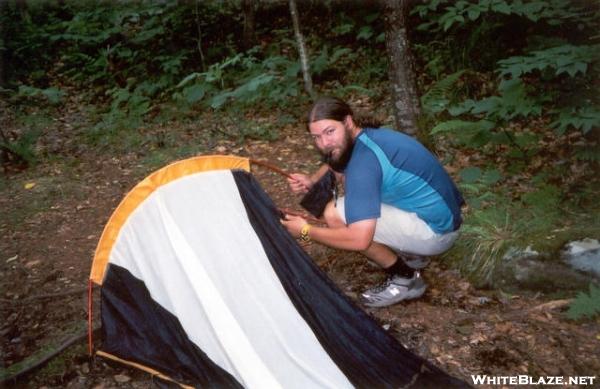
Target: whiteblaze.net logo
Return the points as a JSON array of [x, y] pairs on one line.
[[529, 380]]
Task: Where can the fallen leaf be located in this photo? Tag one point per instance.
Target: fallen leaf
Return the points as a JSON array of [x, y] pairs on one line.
[[122, 378], [9, 260], [29, 185], [31, 264]]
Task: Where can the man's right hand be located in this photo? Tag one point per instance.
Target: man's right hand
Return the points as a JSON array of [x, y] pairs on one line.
[[300, 183]]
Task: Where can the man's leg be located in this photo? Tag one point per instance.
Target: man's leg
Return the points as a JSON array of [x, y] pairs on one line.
[[379, 253], [403, 282]]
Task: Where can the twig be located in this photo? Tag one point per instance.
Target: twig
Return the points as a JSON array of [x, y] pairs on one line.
[[44, 296], [199, 40], [82, 334], [552, 305], [271, 167]]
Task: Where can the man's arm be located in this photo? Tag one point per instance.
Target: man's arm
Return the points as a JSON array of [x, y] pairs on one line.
[[357, 236], [301, 183]]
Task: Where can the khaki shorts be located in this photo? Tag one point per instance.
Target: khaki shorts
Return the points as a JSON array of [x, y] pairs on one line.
[[405, 232]]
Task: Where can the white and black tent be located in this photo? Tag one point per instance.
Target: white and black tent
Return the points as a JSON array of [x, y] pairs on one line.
[[203, 287]]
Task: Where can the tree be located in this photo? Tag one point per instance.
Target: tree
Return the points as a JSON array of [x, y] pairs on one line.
[[249, 35], [308, 86], [401, 64], [3, 37]]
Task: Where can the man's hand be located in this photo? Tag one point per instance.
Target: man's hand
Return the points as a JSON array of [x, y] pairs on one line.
[[293, 224], [300, 183]]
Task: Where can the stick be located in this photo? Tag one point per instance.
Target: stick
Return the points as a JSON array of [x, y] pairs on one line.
[[30, 366], [552, 305], [44, 296], [271, 167]]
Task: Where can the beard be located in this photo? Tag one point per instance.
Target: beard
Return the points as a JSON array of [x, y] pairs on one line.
[[340, 162]]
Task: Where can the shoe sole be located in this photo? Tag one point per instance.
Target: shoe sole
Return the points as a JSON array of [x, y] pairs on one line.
[[410, 295]]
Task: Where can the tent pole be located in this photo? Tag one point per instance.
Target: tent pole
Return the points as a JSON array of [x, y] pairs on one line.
[[90, 316]]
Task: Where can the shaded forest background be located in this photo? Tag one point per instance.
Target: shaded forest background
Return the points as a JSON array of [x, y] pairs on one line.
[[508, 94]]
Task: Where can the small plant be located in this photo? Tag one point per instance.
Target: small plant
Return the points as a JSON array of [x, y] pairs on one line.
[[585, 305], [50, 95], [20, 150], [486, 236]]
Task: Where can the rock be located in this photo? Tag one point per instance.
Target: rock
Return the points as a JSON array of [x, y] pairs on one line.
[[583, 255], [529, 270]]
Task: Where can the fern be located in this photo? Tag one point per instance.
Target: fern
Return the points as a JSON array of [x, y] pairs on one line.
[[584, 119], [585, 305], [588, 154], [437, 97], [568, 59], [24, 146], [462, 125]]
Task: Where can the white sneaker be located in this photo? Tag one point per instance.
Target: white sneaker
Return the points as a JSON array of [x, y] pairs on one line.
[[394, 290]]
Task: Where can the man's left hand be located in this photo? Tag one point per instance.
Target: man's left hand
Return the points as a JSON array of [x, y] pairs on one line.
[[293, 224]]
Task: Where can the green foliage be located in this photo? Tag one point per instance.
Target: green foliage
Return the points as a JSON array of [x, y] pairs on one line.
[[486, 236], [50, 95], [440, 95], [131, 58], [566, 58], [585, 305], [588, 153], [24, 146], [242, 80], [583, 119], [550, 71], [445, 14], [470, 134]]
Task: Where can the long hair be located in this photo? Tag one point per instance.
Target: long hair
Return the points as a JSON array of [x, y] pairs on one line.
[[333, 108]]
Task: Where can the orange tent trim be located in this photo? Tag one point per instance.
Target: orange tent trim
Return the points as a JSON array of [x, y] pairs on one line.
[[144, 189]]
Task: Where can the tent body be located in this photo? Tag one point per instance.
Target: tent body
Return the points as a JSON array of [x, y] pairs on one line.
[[200, 284]]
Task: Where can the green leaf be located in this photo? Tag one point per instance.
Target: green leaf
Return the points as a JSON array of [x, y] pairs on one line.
[[470, 175], [585, 305], [473, 13], [365, 33], [502, 7], [218, 100], [188, 78], [54, 95], [491, 177], [194, 93], [458, 125]]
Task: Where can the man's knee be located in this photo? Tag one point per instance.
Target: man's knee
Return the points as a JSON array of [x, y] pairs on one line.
[[332, 216]]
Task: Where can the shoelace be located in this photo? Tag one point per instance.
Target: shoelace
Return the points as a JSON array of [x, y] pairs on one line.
[[383, 285]]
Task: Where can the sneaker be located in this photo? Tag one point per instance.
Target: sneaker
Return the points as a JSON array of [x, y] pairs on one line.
[[394, 290]]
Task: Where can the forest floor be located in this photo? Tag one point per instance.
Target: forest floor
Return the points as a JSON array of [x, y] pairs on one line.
[[52, 215]]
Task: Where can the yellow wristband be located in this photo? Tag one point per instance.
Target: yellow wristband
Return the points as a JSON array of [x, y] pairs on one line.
[[304, 233]]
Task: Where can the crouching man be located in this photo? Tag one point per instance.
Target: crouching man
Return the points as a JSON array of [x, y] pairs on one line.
[[399, 207]]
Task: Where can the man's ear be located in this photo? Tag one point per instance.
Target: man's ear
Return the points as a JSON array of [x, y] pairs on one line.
[[349, 122]]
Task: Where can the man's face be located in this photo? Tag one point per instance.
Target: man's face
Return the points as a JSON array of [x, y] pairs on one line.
[[334, 141]]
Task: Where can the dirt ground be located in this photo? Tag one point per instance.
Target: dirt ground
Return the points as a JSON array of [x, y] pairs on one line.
[[52, 215]]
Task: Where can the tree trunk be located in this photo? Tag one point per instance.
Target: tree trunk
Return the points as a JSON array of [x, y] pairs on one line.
[[199, 39], [3, 45], [249, 36], [401, 73], [308, 86]]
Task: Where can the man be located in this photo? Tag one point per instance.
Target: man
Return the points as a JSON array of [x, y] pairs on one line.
[[399, 203]]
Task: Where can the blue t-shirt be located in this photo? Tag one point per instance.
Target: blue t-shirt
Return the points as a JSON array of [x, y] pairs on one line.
[[392, 168]]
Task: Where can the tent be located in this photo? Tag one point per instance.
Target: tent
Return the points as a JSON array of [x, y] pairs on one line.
[[202, 286]]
